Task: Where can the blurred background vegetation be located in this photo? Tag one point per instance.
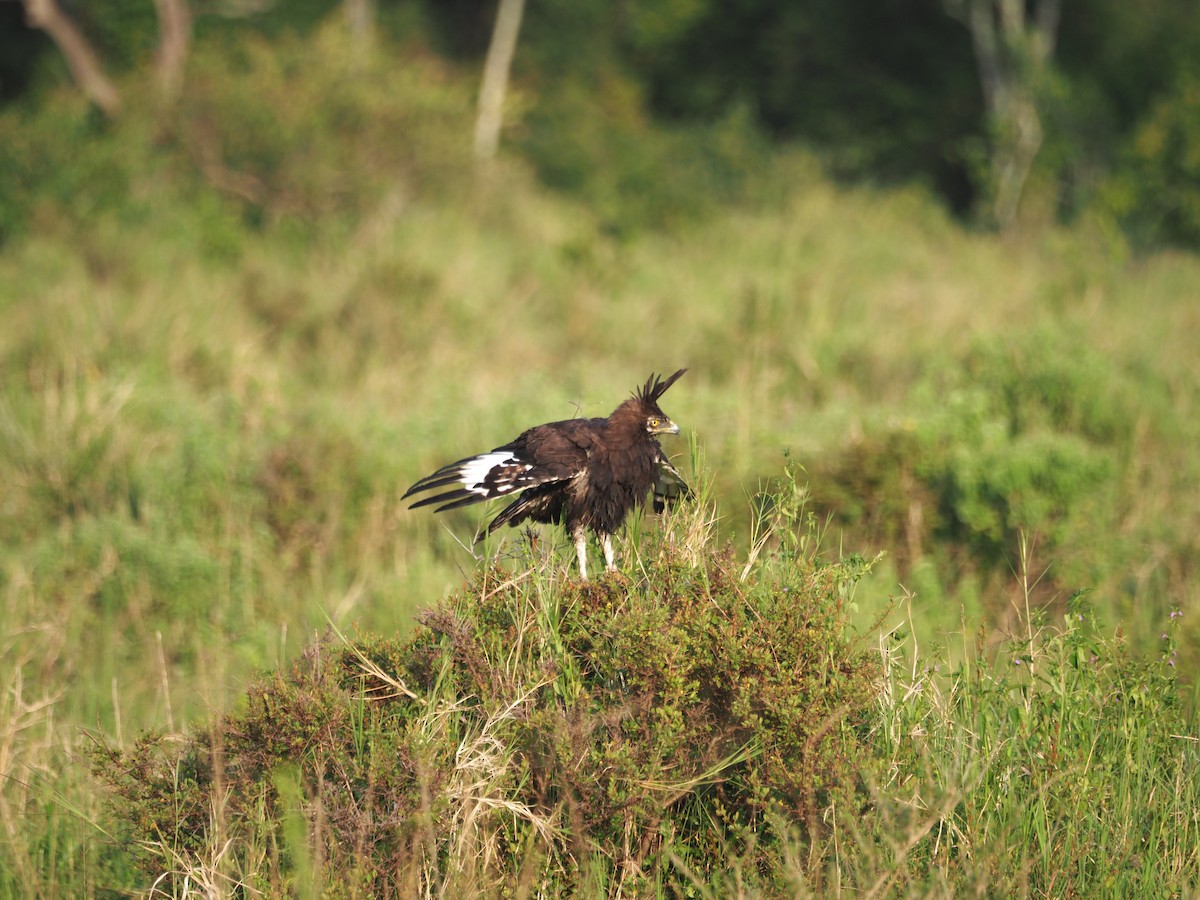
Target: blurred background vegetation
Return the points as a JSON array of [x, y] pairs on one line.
[[938, 93], [248, 297]]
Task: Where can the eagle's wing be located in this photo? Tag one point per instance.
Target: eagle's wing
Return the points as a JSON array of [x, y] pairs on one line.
[[555, 452], [669, 485], [543, 503]]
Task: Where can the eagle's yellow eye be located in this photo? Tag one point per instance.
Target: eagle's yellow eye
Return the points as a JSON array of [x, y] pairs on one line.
[[653, 423]]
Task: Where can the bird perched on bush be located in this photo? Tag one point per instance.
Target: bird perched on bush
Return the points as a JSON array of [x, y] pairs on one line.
[[581, 473]]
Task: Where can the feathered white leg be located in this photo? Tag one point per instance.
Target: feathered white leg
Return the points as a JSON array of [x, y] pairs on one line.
[[581, 552], [606, 543]]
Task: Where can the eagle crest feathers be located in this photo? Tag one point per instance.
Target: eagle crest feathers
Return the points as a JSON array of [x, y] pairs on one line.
[[655, 387]]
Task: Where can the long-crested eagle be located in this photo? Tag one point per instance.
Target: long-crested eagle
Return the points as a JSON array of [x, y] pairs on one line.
[[581, 473]]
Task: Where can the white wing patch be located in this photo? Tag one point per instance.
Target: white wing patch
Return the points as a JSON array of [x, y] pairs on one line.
[[492, 473]]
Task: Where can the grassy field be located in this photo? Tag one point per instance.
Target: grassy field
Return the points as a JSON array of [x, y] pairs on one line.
[[208, 415]]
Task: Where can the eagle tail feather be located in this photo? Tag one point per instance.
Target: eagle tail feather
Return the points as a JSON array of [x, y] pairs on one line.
[[510, 515], [428, 484], [450, 500]]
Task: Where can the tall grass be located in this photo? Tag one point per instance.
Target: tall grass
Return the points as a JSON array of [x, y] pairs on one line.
[[210, 404]]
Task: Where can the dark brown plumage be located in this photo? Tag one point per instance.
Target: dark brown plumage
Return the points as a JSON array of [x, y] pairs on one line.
[[585, 474]]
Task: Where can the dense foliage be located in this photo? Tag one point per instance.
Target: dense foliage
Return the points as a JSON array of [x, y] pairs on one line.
[[1031, 431], [891, 92]]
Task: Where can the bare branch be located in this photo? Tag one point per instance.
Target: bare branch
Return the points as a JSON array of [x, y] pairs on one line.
[[1012, 16], [81, 59], [360, 19], [1047, 16], [1013, 46], [174, 40], [495, 77], [987, 53]]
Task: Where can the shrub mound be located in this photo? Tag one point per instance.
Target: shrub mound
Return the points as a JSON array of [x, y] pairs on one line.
[[697, 727], [635, 733]]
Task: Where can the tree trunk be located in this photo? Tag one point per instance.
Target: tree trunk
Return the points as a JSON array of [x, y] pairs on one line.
[[1012, 53], [81, 59], [495, 78], [174, 41], [360, 20]]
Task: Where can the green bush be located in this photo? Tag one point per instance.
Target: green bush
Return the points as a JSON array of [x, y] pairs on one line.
[[992, 487], [636, 731], [304, 129], [632, 175], [300, 132], [1022, 441], [1045, 380], [1155, 194]]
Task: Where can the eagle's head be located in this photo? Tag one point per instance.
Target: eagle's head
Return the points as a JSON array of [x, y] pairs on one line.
[[656, 421], [660, 424]]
